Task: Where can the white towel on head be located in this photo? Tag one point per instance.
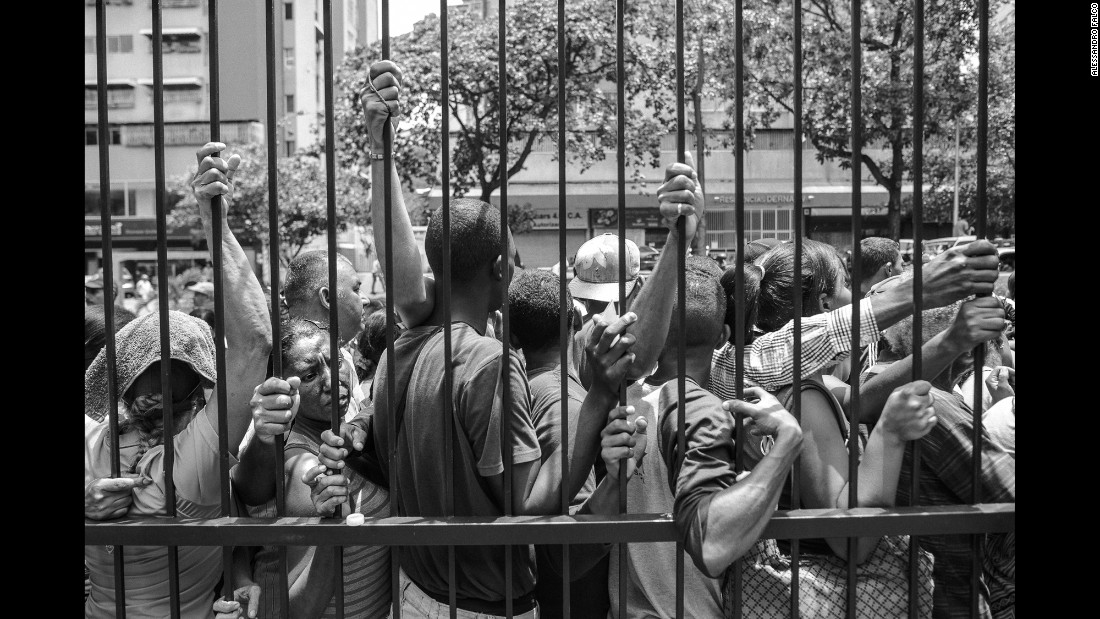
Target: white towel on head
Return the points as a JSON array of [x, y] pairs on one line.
[[138, 347]]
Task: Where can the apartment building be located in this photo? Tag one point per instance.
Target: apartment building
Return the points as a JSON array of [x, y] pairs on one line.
[[186, 70]]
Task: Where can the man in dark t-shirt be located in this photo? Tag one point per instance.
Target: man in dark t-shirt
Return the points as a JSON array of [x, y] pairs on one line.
[[480, 266]]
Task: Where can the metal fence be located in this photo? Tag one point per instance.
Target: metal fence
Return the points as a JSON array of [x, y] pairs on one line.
[[974, 519]]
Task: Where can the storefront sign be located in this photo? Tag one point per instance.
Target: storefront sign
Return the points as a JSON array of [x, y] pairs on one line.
[[757, 198], [131, 227], [547, 219], [635, 217]]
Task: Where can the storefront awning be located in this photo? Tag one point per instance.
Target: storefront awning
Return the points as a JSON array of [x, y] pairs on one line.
[[112, 83], [177, 82], [173, 32]]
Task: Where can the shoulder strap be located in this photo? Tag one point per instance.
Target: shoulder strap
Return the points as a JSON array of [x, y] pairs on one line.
[[786, 397], [399, 404]]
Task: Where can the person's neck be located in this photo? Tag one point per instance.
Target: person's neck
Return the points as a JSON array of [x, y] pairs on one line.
[[472, 309], [546, 358], [696, 366], [311, 428], [319, 315]]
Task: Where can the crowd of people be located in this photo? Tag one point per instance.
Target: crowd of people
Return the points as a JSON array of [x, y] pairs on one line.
[[720, 507]]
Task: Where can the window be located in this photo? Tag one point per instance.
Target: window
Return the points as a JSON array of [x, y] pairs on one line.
[[185, 94], [290, 104], [176, 44], [290, 148], [117, 97], [288, 10], [288, 57], [759, 223], [91, 134], [121, 44], [123, 201]]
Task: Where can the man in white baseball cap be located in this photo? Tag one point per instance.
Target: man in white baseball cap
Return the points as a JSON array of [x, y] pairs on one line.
[[595, 280], [204, 295]]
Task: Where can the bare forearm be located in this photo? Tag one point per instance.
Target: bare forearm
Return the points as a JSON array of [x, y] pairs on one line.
[[254, 475], [936, 355], [410, 294], [654, 309], [544, 495], [738, 514], [247, 329]]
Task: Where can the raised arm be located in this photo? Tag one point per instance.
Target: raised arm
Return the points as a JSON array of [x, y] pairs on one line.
[[979, 320], [413, 297], [246, 317], [680, 195], [953, 275], [824, 464]]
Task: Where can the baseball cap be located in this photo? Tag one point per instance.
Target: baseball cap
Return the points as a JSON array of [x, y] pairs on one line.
[[206, 288], [596, 270]]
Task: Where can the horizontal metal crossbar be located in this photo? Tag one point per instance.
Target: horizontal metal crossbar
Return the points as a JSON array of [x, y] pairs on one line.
[[581, 529]]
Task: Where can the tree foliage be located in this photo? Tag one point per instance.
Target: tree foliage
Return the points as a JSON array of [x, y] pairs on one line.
[[532, 94], [302, 200], [886, 78]]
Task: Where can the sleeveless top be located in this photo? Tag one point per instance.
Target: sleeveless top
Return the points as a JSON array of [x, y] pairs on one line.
[[366, 568], [754, 453]]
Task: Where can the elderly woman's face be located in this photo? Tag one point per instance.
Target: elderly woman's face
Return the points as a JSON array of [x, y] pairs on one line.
[[308, 359]]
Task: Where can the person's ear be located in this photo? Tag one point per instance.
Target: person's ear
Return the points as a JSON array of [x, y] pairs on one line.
[[496, 270], [823, 301], [887, 270], [723, 337], [322, 296]]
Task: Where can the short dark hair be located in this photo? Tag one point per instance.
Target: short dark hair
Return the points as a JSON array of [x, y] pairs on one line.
[[372, 341], [704, 306], [821, 266], [534, 307], [293, 330], [1011, 284], [752, 274], [206, 315], [876, 252], [475, 238], [307, 274]]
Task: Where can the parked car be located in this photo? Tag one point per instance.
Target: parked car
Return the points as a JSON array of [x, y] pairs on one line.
[[906, 250], [940, 245], [648, 256], [1007, 255]]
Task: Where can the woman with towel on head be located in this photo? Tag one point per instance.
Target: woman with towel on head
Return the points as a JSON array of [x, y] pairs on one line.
[[194, 430]]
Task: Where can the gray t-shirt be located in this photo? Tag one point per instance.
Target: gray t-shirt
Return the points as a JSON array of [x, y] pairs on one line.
[[651, 578], [421, 465]]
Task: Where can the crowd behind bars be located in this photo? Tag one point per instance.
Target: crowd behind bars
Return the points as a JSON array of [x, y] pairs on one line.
[[719, 512]]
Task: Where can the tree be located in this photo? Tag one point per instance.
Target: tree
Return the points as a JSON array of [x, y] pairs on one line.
[[302, 195], [1001, 151], [532, 110], [886, 43]]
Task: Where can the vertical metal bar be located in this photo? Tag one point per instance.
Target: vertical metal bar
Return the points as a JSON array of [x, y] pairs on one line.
[[391, 368], [563, 307], [335, 358], [273, 264], [797, 292], [506, 253], [104, 143], [857, 229], [681, 281], [448, 374], [620, 158], [739, 274], [979, 351], [918, 234], [219, 297], [162, 278]]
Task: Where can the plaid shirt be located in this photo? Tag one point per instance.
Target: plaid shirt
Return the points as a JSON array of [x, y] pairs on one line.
[[769, 360], [946, 472]]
